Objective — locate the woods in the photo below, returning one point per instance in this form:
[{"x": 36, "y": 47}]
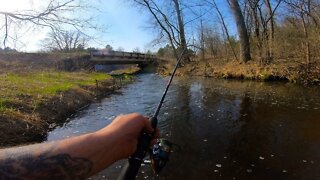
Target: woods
[{"x": 263, "y": 31}]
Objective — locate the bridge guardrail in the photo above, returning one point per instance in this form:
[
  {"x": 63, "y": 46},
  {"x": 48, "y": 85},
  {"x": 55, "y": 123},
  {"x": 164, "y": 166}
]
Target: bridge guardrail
[{"x": 119, "y": 54}]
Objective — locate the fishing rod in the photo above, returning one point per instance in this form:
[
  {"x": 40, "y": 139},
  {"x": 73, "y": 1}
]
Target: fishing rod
[{"x": 161, "y": 150}]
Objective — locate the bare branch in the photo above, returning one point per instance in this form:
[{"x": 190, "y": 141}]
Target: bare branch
[{"x": 57, "y": 14}]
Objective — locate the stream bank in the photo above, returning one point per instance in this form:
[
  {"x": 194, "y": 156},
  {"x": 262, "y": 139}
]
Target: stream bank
[
  {"x": 280, "y": 70},
  {"x": 36, "y": 95},
  {"x": 30, "y": 116}
]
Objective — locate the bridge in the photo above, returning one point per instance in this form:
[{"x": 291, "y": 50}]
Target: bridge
[{"x": 117, "y": 57}]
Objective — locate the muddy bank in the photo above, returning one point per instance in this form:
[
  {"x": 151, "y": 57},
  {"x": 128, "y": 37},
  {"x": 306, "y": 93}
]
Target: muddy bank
[{"x": 276, "y": 71}]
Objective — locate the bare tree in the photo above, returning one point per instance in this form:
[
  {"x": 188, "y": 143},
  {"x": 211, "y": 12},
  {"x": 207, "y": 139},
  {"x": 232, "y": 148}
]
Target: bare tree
[
  {"x": 136, "y": 50},
  {"x": 163, "y": 22},
  {"x": 171, "y": 26},
  {"x": 65, "y": 41},
  {"x": 260, "y": 18},
  {"x": 302, "y": 9},
  {"x": 213, "y": 3},
  {"x": 120, "y": 49},
  {"x": 182, "y": 35},
  {"x": 55, "y": 15},
  {"x": 212, "y": 41},
  {"x": 202, "y": 40},
  {"x": 242, "y": 31},
  {"x": 272, "y": 24}
]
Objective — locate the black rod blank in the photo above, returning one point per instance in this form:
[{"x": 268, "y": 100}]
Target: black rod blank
[{"x": 168, "y": 85}]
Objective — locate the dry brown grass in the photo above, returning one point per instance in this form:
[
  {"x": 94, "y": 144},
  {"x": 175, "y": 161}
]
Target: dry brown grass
[
  {"x": 288, "y": 70},
  {"x": 26, "y": 62}
]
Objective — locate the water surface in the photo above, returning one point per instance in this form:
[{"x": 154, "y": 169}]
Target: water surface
[{"x": 226, "y": 129}]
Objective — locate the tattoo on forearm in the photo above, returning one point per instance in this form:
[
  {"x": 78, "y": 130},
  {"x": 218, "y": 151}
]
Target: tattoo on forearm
[{"x": 61, "y": 166}]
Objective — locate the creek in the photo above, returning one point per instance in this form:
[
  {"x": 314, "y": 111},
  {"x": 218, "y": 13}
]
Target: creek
[{"x": 226, "y": 129}]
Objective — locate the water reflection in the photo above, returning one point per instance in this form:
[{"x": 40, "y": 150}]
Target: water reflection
[
  {"x": 246, "y": 130},
  {"x": 226, "y": 129}
]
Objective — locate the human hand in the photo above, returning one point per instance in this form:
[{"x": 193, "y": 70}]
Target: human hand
[{"x": 126, "y": 129}]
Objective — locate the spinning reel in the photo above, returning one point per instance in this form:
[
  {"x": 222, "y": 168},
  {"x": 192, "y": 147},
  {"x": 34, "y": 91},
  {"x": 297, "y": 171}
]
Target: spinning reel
[{"x": 160, "y": 154}]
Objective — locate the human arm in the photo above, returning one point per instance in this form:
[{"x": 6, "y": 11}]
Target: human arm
[{"x": 78, "y": 157}]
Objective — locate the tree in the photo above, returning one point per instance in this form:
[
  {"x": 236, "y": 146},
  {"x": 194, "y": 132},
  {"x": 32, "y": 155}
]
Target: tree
[
  {"x": 225, "y": 28},
  {"x": 166, "y": 51},
  {"x": 261, "y": 23},
  {"x": 271, "y": 22},
  {"x": 65, "y": 41},
  {"x": 202, "y": 40},
  {"x": 182, "y": 35},
  {"x": 168, "y": 18},
  {"x": 136, "y": 50},
  {"x": 109, "y": 47},
  {"x": 162, "y": 21},
  {"x": 245, "y": 55},
  {"x": 55, "y": 15},
  {"x": 302, "y": 9},
  {"x": 120, "y": 49},
  {"x": 213, "y": 42}
]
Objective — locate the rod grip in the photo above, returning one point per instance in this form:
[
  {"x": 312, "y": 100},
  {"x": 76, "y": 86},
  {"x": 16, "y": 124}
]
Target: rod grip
[{"x": 132, "y": 166}]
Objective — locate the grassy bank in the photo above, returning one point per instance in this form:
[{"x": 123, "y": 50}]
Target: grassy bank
[
  {"x": 279, "y": 70},
  {"x": 40, "y": 90},
  {"x": 33, "y": 102}
]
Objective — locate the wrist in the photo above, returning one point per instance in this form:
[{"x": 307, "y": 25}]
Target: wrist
[{"x": 110, "y": 143}]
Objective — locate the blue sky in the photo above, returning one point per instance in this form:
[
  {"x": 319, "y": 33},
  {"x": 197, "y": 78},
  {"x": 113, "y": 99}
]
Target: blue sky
[{"x": 125, "y": 25}]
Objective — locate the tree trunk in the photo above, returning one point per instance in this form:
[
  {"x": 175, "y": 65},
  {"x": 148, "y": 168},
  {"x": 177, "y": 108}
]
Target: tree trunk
[
  {"x": 183, "y": 42},
  {"x": 202, "y": 40},
  {"x": 306, "y": 34},
  {"x": 271, "y": 29},
  {"x": 257, "y": 25},
  {"x": 242, "y": 31},
  {"x": 6, "y": 31}
]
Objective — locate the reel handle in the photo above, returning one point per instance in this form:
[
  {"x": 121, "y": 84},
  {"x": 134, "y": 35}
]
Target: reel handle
[{"x": 132, "y": 166}]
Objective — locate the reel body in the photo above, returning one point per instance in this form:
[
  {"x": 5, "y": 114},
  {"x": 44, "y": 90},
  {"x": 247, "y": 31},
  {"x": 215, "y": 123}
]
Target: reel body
[{"x": 160, "y": 154}]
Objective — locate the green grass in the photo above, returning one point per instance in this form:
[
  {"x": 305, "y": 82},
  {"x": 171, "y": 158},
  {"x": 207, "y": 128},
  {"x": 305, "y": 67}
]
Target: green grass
[{"x": 35, "y": 85}]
